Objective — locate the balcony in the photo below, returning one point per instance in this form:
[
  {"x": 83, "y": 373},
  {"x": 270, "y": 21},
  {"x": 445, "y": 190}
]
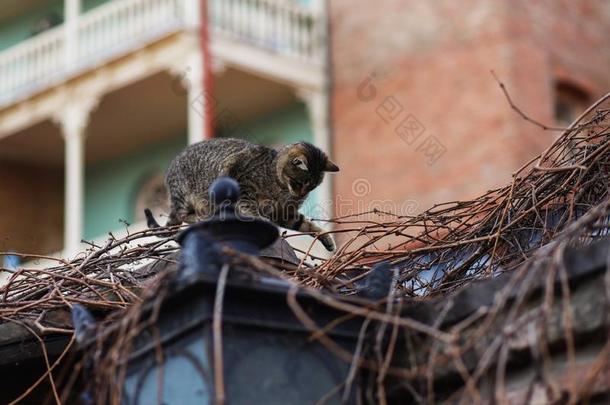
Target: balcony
[{"x": 279, "y": 28}]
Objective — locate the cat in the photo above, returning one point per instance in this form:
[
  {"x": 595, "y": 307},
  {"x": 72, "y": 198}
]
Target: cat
[{"x": 274, "y": 183}]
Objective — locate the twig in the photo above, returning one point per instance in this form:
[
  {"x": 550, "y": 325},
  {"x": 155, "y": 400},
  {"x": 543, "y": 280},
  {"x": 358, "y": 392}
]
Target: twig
[{"x": 518, "y": 110}]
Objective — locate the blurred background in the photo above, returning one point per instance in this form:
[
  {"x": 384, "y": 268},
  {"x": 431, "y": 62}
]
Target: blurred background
[{"x": 97, "y": 97}]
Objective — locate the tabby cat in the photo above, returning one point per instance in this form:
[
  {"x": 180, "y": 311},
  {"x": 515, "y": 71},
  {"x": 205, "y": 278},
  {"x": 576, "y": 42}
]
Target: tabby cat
[{"x": 274, "y": 182}]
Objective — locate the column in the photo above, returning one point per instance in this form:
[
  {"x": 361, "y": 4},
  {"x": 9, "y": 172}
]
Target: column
[
  {"x": 192, "y": 13},
  {"x": 72, "y": 9},
  {"x": 73, "y": 119},
  {"x": 189, "y": 72},
  {"x": 317, "y": 103},
  {"x": 197, "y": 100},
  {"x": 321, "y": 38},
  {"x": 188, "y": 82}
]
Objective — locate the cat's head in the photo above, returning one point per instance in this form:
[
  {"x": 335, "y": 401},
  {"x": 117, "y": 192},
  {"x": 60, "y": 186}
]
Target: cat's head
[{"x": 301, "y": 167}]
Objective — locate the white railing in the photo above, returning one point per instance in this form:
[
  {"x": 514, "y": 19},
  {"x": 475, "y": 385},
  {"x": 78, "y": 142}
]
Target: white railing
[
  {"x": 104, "y": 32},
  {"x": 25, "y": 66},
  {"x": 279, "y": 26},
  {"x": 119, "y": 24}
]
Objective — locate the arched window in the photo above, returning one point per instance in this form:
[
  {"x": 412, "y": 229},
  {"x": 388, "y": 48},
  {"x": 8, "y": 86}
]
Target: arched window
[
  {"x": 570, "y": 102},
  {"x": 152, "y": 194}
]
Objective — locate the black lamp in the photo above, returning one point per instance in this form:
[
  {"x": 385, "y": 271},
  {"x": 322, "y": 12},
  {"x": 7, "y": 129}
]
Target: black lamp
[{"x": 268, "y": 356}]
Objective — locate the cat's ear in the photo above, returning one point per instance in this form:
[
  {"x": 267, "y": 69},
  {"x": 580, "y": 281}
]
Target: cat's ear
[{"x": 331, "y": 167}]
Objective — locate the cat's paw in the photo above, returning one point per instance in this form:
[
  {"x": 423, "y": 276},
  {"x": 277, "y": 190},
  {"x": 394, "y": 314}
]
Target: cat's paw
[{"x": 328, "y": 242}]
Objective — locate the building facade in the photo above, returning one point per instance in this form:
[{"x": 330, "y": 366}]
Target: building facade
[
  {"x": 97, "y": 96},
  {"x": 413, "y": 78}
]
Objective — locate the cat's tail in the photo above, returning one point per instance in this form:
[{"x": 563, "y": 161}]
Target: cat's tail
[{"x": 151, "y": 222}]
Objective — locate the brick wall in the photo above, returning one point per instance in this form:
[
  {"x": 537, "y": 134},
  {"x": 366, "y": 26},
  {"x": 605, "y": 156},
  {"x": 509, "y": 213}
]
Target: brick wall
[{"x": 433, "y": 61}]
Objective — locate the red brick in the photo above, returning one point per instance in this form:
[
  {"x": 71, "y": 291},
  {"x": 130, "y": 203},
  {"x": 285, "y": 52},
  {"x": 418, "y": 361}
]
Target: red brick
[{"x": 435, "y": 58}]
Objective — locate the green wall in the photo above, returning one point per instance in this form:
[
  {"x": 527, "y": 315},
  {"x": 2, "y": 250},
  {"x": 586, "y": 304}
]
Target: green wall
[
  {"x": 19, "y": 28},
  {"x": 110, "y": 186},
  {"x": 89, "y": 4}
]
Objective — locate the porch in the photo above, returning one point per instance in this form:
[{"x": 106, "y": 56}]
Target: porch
[{"x": 281, "y": 37}]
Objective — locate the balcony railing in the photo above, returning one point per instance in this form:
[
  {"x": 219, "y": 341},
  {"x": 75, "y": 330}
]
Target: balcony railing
[
  {"x": 119, "y": 26},
  {"x": 281, "y": 26},
  {"x": 32, "y": 62},
  {"x": 122, "y": 24}
]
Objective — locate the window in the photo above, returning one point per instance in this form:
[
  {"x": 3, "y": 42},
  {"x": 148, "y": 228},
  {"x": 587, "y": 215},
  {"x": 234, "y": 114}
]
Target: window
[
  {"x": 570, "y": 102},
  {"x": 152, "y": 194}
]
